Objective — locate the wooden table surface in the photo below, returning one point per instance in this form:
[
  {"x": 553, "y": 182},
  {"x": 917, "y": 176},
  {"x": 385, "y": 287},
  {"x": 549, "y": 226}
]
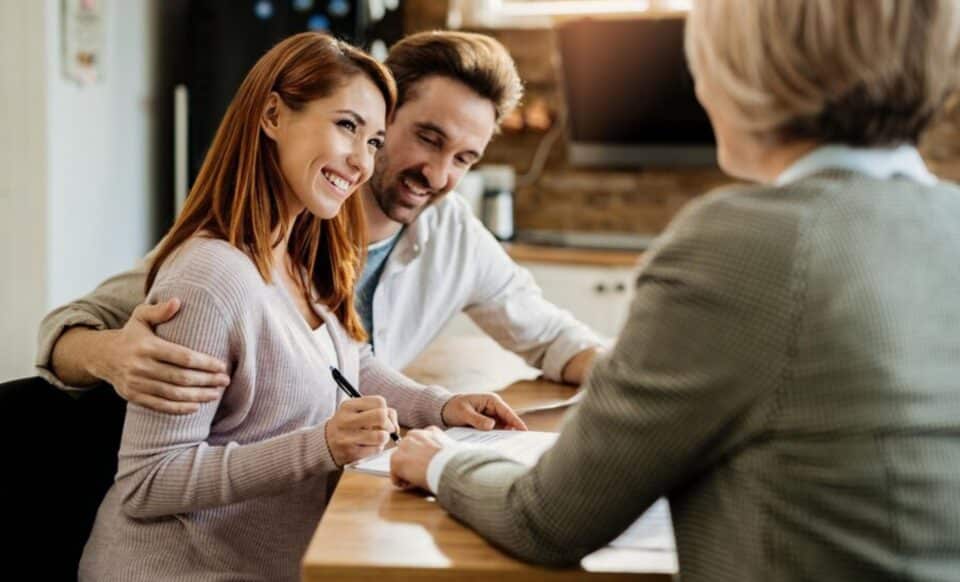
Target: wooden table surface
[
  {"x": 373, "y": 531},
  {"x": 525, "y": 252}
]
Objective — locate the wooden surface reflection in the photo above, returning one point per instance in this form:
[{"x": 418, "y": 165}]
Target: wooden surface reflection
[{"x": 372, "y": 531}]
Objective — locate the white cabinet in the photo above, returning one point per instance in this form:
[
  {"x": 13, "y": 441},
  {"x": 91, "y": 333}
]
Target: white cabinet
[{"x": 598, "y": 296}]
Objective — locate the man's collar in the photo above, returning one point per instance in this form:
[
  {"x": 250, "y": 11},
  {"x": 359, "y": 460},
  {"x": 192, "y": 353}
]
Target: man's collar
[{"x": 415, "y": 236}]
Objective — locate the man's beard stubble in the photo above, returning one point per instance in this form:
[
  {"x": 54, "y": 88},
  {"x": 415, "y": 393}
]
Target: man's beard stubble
[{"x": 388, "y": 196}]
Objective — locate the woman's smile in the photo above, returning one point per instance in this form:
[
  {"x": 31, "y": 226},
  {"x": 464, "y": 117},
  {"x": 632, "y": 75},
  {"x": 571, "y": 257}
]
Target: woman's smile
[{"x": 334, "y": 181}]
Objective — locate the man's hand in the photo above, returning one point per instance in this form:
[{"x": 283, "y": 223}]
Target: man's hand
[
  {"x": 153, "y": 372},
  {"x": 408, "y": 465},
  {"x": 484, "y": 411},
  {"x": 576, "y": 369}
]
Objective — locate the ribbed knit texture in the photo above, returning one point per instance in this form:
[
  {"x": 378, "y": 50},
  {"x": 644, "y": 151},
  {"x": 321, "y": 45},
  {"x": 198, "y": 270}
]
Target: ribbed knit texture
[
  {"x": 235, "y": 490},
  {"x": 789, "y": 377}
]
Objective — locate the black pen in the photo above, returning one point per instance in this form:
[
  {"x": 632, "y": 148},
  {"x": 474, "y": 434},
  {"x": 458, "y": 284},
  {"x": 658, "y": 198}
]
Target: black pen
[{"x": 350, "y": 391}]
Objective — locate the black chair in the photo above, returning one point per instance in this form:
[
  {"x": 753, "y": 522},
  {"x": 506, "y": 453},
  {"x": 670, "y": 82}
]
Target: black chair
[{"x": 59, "y": 457}]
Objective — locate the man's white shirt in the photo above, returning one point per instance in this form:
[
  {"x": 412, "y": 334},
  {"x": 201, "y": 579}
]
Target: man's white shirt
[{"x": 446, "y": 262}]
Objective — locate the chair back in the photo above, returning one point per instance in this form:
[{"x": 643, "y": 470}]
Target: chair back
[{"x": 59, "y": 459}]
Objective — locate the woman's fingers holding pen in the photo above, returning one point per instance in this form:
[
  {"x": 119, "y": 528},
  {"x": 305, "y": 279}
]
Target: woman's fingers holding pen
[
  {"x": 348, "y": 444},
  {"x": 380, "y": 418},
  {"x": 361, "y": 427},
  {"x": 372, "y": 412},
  {"x": 393, "y": 420},
  {"x": 364, "y": 403}
]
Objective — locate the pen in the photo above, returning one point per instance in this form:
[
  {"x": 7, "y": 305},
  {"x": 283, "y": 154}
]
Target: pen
[{"x": 350, "y": 391}]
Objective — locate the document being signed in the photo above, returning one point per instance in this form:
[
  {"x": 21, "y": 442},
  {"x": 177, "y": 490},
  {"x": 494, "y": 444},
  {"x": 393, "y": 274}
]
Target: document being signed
[
  {"x": 523, "y": 446},
  {"x": 651, "y": 534}
]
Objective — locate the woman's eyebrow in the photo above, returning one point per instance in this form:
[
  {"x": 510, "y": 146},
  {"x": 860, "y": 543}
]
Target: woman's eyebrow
[{"x": 356, "y": 116}]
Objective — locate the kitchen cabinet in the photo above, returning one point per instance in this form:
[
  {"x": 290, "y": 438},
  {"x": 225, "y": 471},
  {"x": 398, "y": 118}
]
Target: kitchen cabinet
[{"x": 598, "y": 295}]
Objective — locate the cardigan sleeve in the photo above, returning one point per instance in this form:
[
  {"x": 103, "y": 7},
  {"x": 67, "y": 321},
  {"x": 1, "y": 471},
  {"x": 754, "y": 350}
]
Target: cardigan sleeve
[
  {"x": 417, "y": 405},
  {"x": 166, "y": 463}
]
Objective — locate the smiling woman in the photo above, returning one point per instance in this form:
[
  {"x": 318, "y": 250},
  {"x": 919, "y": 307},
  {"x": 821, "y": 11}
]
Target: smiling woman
[
  {"x": 301, "y": 102},
  {"x": 263, "y": 258},
  {"x": 326, "y": 148}
]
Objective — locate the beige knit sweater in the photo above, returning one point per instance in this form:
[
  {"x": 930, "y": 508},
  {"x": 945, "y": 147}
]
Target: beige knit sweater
[{"x": 235, "y": 490}]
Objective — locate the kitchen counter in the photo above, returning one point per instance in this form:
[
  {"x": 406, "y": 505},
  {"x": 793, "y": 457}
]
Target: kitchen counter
[{"x": 532, "y": 253}]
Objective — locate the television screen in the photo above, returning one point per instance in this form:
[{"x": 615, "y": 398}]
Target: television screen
[{"x": 630, "y": 97}]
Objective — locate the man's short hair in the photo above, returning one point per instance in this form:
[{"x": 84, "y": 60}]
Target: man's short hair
[
  {"x": 844, "y": 71},
  {"x": 476, "y": 60}
]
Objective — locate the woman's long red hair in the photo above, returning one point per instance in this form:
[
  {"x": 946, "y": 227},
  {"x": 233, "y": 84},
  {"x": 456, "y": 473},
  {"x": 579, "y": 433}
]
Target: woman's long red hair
[{"x": 238, "y": 195}]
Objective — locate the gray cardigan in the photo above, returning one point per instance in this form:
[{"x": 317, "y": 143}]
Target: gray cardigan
[
  {"x": 235, "y": 490},
  {"x": 789, "y": 377}
]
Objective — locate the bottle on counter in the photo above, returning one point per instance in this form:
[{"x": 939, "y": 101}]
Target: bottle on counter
[{"x": 498, "y": 184}]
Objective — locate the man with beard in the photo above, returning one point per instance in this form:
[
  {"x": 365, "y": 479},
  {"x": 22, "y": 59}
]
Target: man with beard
[{"x": 428, "y": 259}]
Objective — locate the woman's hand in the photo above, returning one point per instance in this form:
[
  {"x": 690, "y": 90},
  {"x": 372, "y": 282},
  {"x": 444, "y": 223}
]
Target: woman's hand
[
  {"x": 484, "y": 411},
  {"x": 360, "y": 428},
  {"x": 408, "y": 465}
]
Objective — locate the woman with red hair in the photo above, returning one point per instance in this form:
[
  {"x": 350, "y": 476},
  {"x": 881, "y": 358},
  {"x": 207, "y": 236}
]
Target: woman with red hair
[{"x": 264, "y": 258}]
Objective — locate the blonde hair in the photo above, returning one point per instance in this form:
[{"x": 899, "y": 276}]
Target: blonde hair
[
  {"x": 476, "y": 60},
  {"x": 860, "y": 72}
]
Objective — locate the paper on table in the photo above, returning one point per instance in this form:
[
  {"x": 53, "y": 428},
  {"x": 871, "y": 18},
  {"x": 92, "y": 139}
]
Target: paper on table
[
  {"x": 378, "y": 464},
  {"x": 523, "y": 446},
  {"x": 554, "y": 405},
  {"x": 649, "y": 541},
  {"x": 652, "y": 532}
]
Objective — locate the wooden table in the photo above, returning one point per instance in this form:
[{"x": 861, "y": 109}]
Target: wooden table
[
  {"x": 525, "y": 252},
  {"x": 372, "y": 531}
]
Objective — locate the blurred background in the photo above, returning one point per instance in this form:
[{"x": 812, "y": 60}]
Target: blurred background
[{"x": 107, "y": 107}]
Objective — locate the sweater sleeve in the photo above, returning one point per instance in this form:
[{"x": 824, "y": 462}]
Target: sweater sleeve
[
  {"x": 707, "y": 336},
  {"x": 109, "y": 306},
  {"x": 417, "y": 405},
  {"x": 166, "y": 463}
]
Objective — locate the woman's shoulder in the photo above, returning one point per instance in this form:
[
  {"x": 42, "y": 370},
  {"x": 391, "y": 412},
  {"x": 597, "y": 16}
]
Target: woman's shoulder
[
  {"x": 748, "y": 213},
  {"x": 757, "y": 198},
  {"x": 208, "y": 257},
  {"x": 214, "y": 266}
]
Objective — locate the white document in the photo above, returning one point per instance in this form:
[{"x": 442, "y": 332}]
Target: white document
[
  {"x": 552, "y": 406},
  {"x": 651, "y": 534},
  {"x": 523, "y": 446},
  {"x": 649, "y": 540},
  {"x": 653, "y": 531}
]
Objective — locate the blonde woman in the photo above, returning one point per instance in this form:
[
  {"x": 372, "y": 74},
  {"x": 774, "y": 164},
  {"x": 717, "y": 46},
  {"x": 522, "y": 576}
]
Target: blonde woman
[{"x": 790, "y": 374}]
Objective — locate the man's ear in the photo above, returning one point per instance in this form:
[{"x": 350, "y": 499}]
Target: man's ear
[{"x": 270, "y": 117}]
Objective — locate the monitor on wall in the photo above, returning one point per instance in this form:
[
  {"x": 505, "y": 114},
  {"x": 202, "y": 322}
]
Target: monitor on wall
[{"x": 629, "y": 94}]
